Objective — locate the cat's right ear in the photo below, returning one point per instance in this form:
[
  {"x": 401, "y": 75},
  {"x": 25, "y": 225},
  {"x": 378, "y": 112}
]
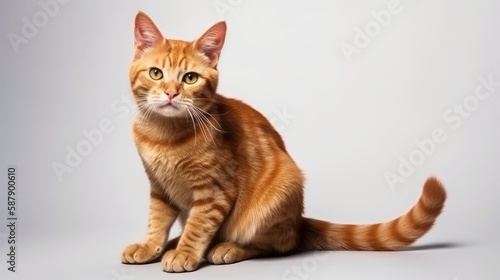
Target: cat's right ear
[{"x": 146, "y": 34}]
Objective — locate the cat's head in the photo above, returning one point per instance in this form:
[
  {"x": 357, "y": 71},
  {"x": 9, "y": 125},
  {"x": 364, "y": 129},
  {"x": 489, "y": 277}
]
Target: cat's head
[{"x": 173, "y": 78}]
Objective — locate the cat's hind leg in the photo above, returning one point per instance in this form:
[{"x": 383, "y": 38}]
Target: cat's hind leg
[
  {"x": 280, "y": 239},
  {"x": 229, "y": 252}
]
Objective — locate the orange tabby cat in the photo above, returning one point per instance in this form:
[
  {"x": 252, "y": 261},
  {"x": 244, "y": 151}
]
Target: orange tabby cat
[{"x": 220, "y": 167}]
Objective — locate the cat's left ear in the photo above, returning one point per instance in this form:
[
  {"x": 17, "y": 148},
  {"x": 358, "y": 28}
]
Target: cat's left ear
[{"x": 211, "y": 42}]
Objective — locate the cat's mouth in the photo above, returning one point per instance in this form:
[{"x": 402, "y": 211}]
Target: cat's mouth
[
  {"x": 169, "y": 109},
  {"x": 169, "y": 105}
]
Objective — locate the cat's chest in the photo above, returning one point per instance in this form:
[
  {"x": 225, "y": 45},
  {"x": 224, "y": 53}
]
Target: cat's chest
[
  {"x": 169, "y": 167},
  {"x": 160, "y": 159}
]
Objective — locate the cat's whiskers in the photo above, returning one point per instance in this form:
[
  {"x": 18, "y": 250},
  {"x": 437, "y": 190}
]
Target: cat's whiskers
[
  {"x": 202, "y": 121},
  {"x": 211, "y": 100},
  {"x": 194, "y": 123},
  {"x": 136, "y": 110},
  {"x": 203, "y": 113},
  {"x": 143, "y": 109},
  {"x": 148, "y": 112},
  {"x": 206, "y": 130}
]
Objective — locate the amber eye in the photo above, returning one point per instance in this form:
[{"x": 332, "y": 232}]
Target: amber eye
[
  {"x": 155, "y": 73},
  {"x": 190, "y": 78}
]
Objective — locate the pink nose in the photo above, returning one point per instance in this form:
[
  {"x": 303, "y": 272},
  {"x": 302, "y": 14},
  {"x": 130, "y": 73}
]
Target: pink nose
[{"x": 171, "y": 94}]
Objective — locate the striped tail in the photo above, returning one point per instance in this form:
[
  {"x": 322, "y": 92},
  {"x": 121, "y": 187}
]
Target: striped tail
[{"x": 393, "y": 235}]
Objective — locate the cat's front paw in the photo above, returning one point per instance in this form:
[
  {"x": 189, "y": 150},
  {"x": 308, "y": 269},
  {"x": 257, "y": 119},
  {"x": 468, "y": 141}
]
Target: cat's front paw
[
  {"x": 140, "y": 253},
  {"x": 180, "y": 261}
]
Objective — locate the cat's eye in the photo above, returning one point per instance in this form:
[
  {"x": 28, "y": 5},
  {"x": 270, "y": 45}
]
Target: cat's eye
[
  {"x": 190, "y": 78},
  {"x": 155, "y": 73}
]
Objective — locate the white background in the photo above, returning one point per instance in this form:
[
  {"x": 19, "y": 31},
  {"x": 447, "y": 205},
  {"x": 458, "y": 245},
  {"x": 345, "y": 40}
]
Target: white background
[{"x": 350, "y": 121}]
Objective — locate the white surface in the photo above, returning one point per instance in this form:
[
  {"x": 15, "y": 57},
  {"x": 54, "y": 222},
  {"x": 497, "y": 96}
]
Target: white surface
[{"x": 350, "y": 123}]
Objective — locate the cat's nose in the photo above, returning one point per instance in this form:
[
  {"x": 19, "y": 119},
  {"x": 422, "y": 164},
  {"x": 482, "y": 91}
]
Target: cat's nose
[{"x": 171, "y": 94}]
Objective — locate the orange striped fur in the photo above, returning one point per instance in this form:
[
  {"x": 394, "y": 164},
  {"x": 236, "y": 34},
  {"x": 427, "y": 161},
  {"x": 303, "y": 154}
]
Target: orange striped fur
[{"x": 220, "y": 168}]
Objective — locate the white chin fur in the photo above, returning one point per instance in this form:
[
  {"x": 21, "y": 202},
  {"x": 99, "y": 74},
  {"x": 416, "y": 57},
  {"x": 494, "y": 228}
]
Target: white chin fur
[{"x": 170, "y": 111}]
